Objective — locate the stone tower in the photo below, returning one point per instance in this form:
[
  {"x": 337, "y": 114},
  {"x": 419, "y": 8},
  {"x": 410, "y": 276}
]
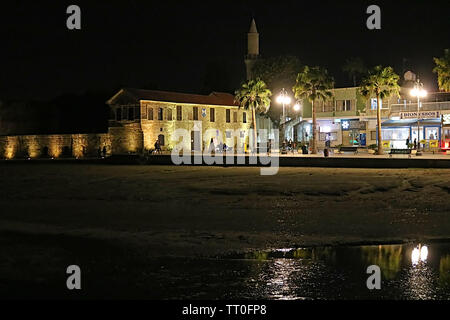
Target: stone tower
[{"x": 252, "y": 48}]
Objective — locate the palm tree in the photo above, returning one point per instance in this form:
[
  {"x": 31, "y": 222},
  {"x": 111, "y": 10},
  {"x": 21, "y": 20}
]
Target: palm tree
[
  {"x": 313, "y": 84},
  {"x": 443, "y": 71},
  {"x": 254, "y": 95},
  {"x": 355, "y": 68},
  {"x": 381, "y": 82}
]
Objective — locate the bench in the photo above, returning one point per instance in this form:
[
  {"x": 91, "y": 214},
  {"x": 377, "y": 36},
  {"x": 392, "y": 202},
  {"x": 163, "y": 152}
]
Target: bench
[
  {"x": 348, "y": 149},
  {"x": 400, "y": 151}
]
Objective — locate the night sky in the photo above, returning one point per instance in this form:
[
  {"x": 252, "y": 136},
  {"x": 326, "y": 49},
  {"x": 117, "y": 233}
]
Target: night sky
[{"x": 172, "y": 45}]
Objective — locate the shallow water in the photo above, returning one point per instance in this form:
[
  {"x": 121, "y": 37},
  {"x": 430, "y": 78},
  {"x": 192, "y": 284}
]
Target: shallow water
[
  {"x": 34, "y": 267},
  {"x": 314, "y": 273}
]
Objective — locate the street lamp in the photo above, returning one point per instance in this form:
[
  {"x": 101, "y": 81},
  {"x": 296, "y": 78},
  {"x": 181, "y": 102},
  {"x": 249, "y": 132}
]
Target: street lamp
[
  {"x": 419, "y": 92},
  {"x": 284, "y": 99}
]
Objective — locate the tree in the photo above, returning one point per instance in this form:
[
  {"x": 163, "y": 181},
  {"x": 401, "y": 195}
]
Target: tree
[
  {"x": 381, "y": 82},
  {"x": 277, "y": 72},
  {"x": 313, "y": 84},
  {"x": 355, "y": 68},
  {"x": 254, "y": 95},
  {"x": 443, "y": 70}
]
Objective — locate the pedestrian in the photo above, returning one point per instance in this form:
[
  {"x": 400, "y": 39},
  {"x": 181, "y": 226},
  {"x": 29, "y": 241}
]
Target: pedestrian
[
  {"x": 415, "y": 143},
  {"x": 104, "y": 151},
  {"x": 212, "y": 147},
  {"x": 407, "y": 143},
  {"x": 157, "y": 147}
]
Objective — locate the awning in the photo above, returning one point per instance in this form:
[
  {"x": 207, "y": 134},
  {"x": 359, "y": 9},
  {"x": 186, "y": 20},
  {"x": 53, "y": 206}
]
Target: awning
[{"x": 411, "y": 123}]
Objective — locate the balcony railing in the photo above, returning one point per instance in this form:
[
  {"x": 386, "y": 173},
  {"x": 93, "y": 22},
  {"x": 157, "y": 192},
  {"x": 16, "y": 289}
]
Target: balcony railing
[{"x": 425, "y": 106}]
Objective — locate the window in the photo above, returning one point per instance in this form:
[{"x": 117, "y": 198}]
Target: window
[
  {"x": 235, "y": 116},
  {"x": 331, "y": 136},
  {"x": 179, "y": 113},
  {"x": 149, "y": 113},
  {"x": 347, "y": 105},
  {"x": 228, "y": 134},
  {"x": 160, "y": 113},
  {"x": 119, "y": 114},
  {"x": 373, "y": 135},
  {"x": 344, "y": 105},
  {"x": 124, "y": 113},
  {"x": 131, "y": 113},
  {"x": 137, "y": 112},
  {"x": 395, "y": 134},
  {"x": 195, "y": 111},
  {"x": 373, "y": 104},
  {"x": 169, "y": 114},
  {"x": 228, "y": 115},
  {"x": 161, "y": 139},
  {"x": 212, "y": 115},
  {"x": 244, "y": 117}
]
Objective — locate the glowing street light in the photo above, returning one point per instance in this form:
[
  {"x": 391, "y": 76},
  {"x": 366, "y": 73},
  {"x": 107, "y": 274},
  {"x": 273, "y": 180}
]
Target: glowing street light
[
  {"x": 284, "y": 99},
  {"x": 297, "y": 106},
  {"x": 419, "y": 92}
]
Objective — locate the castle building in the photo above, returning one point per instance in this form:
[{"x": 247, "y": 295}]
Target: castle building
[{"x": 139, "y": 118}]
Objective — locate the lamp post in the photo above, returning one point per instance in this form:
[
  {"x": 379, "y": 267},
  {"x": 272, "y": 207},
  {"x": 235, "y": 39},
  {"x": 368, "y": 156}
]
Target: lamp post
[
  {"x": 419, "y": 92},
  {"x": 284, "y": 99}
]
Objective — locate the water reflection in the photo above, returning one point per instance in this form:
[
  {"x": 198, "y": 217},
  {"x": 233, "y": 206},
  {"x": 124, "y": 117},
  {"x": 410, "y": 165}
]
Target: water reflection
[
  {"x": 419, "y": 254},
  {"x": 414, "y": 271}
]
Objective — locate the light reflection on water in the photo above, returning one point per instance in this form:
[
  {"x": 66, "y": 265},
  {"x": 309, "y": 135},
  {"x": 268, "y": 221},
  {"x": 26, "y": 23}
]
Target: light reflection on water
[
  {"x": 408, "y": 272},
  {"x": 415, "y": 271}
]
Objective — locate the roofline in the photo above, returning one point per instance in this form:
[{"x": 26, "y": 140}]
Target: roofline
[{"x": 191, "y": 104}]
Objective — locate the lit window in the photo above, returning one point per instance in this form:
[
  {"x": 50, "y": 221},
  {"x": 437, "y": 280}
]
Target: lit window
[
  {"x": 195, "y": 111},
  {"x": 149, "y": 113},
  {"x": 179, "y": 113}
]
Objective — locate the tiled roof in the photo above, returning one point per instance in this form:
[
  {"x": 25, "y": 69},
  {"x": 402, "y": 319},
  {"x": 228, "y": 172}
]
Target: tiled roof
[{"x": 214, "y": 98}]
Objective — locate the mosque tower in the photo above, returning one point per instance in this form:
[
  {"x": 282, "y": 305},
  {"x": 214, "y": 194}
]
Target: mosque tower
[{"x": 252, "y": 48}]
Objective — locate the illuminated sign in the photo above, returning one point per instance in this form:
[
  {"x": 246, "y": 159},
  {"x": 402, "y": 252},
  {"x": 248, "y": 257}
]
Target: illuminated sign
[
  {"x": 345, "y": 125},
  {"x": 446, "y": 118},
  {"x": 422, "y": 115}
]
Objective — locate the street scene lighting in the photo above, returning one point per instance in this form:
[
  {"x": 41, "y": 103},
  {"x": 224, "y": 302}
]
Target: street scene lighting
[{"x": 419, "y": 92}]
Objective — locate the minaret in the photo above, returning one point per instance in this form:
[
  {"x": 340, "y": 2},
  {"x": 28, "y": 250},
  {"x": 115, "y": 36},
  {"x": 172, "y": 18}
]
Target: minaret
[{"x": 252, "y": 48}]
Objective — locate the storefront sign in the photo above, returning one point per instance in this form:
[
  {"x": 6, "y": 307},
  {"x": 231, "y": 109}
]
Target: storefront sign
[
  {"x": 446, "y": 119},
  {"x": 352, "y": 124},
  {"x": 434, "y": 144},
  {"x": 422, "y": 115}
]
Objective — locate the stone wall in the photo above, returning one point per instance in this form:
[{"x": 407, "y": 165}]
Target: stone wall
[
  {"x": 217, "y": 130},
  {"x": 53, "y": 146}
]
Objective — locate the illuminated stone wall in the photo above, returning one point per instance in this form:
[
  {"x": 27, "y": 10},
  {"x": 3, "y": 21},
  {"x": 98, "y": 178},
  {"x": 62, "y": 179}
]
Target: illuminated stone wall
[
  {"x": 153, "y": 128},
  {"x": 53, "y": 146}
]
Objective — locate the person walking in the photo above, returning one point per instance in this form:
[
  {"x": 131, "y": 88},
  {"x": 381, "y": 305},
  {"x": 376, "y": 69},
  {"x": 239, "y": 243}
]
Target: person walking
[
  {"x": 407, "y": 143},
  {"x": 157, "y": 147},
  {"x": 212, "y": 147},
  {"x": 415, "y": 143}
]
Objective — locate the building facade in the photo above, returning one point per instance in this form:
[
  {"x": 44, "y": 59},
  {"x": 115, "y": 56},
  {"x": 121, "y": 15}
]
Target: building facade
[
  {"x": 349, "y": 119},
  {"x": 139, "y": 118}
]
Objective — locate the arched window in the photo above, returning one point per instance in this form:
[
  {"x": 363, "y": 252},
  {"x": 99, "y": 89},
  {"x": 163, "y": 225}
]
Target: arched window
[
  {"x": 161, "y": 139},
  {"x": 160, "y": 114}
]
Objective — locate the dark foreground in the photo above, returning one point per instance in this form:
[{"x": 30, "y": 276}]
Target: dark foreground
[{"x": 172, "y": 232}]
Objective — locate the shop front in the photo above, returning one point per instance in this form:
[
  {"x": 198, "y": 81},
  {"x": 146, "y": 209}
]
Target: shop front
[
  {"x": 395, "y": 133},
  {"x": 354, "y": 133},
  {"x": 445, "y": 141}
]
